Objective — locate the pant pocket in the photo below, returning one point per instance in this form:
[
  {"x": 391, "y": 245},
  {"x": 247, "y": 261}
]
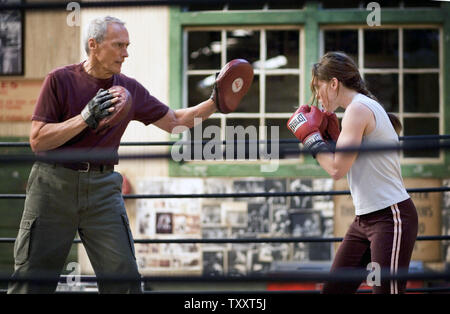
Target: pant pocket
[
  {"x": 31, "y": 177},
  {"x": 22, "y": 244},
  {"x": 128, "y": 232}
]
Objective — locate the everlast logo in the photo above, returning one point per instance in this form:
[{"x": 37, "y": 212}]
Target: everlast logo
[{"x": 296, "y": 122}]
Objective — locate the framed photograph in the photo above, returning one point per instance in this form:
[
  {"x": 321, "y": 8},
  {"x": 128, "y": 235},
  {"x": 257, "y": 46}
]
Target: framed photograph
[
  {"x": 240, "y": 232},
  {"x": 214, "y": 233},
  {"x": 300, "y": 252},
  {"x": 218, "y": 186},
  {"x": 303, "y": 185},
  {"x": 11, "y": 40},
  {"x": 323, "y": 203},
  {"x": 258, "y": 218},
  {"x": 164, "y": 223},
  {"x": 145, "y": 219},
  {"x": 235, "y": 214},
  {"x": 313, "y": 251},
  {"x": 327, "y": 227},
  {"x": 251, "y": 185},
  {"x": 261, "y": 260},
  {"x": 281, "y": 224},
  {"x": 184, "y": 224},
  {"x": 211, "y": 215},
  {"x": 305, "y": 224},
  {"x": 213, "y": 263},
  {"x": 274, "y": 186},
  {"x": 238, "y": 262}
]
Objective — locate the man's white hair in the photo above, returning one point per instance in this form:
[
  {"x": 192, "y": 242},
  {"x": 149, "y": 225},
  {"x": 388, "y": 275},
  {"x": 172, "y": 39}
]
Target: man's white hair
[{"x": 97, "y": 29}]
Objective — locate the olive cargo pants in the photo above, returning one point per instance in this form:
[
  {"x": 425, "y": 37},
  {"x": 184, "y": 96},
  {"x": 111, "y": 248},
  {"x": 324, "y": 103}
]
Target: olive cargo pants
[{"x": 60, "y": 202}]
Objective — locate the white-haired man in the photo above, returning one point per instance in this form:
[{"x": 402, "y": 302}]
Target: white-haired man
[{"x": 85, "y": 197}]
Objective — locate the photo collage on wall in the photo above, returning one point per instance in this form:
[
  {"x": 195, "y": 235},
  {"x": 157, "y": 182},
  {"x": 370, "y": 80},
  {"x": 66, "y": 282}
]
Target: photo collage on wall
[
  {"x": 11, "y": 47},
  {"x": 238, "y": 217}
]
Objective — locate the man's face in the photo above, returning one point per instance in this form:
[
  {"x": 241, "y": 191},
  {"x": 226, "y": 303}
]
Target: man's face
[{"x": 112, "y": 51}]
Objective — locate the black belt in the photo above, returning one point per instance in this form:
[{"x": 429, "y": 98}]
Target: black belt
[{"x": 87, "y": 166}]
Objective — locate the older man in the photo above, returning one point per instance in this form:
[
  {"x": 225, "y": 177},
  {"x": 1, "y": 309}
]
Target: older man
[{"x": 63, "y": 198}]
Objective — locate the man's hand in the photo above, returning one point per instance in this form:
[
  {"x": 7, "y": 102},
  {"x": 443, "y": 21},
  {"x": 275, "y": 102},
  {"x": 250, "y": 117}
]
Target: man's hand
[
  {"x": 305, "y": 124},
  {"x": 97, "y": 108}
]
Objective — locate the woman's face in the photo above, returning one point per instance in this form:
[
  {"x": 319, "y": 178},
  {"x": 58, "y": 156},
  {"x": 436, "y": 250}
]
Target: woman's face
[{"x": 326, "y": 94}]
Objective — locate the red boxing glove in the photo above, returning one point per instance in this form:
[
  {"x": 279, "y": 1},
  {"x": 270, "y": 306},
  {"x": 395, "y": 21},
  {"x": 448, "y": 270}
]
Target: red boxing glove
[
  {"x": 305, "y": 124},
  {"x": 332, "y": 130},
  {"x": 324, "y": 124}
]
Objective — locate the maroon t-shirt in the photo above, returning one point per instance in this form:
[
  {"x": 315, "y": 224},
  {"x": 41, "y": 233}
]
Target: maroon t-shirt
[{"x": 68, "y": 89}]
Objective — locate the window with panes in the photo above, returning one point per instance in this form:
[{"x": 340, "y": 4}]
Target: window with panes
[
  {"x": 275, "y": 54},
  {"x": 402, "y": 68}
]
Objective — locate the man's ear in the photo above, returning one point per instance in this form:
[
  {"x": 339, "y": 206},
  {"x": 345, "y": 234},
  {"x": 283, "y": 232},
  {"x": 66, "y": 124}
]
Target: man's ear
[{"x": 93, "y": 45}]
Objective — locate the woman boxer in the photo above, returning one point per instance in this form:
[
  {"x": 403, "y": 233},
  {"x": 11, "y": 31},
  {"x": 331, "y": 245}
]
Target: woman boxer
[{"x": 385, "y": 227}]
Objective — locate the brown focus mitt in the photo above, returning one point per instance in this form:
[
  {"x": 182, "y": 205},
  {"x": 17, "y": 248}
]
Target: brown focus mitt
[
  {"x": 121, "y": 109},
  {"x": 232, "y": 83}
]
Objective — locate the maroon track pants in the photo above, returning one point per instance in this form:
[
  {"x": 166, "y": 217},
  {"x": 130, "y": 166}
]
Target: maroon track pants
[{"x": 386, "y": 237}]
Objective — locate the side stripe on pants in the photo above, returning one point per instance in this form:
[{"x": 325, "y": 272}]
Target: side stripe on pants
[{"x": 395, "y": 246}]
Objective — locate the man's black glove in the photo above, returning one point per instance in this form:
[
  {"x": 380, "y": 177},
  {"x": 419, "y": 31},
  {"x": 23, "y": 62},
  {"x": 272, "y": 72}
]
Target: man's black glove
[{"x": 97, "y": 108}]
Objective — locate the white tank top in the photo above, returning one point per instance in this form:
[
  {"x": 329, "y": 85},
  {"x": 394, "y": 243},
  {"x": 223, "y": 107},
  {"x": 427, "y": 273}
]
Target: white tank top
[{"x": 375, "y": 178}]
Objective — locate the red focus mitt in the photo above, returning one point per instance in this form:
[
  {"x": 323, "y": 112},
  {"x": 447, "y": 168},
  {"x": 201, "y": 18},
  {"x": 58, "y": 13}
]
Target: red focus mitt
[
  {"x": 232, "y": 83},
  {"x": 121, "y": 109}
]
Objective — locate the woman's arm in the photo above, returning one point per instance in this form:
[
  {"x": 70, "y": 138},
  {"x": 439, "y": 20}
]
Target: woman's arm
[{"x": 357, "y": 121}]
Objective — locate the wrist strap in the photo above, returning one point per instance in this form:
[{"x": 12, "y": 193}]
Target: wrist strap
[
  {"x": 89, "y": 118},
  {"x": 315, "y": 144}
]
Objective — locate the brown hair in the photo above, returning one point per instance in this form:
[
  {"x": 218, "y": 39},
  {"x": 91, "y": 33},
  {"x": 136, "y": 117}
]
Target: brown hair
[
  {"x": 339, "y": 65},
  {"x": 395, "y": 123}
]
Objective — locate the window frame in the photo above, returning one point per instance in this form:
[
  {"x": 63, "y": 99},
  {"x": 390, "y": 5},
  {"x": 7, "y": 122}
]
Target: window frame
[
  {"x": 262, "y": 115},
  {"x": 400, "y": 70},
  {"x": 311, "y": 18}
]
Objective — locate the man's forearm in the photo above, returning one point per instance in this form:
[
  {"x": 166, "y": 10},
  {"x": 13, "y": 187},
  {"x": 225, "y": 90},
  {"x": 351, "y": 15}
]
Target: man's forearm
[
  {"x": 52, "y": 135},
  {"x": 201, "y": 111}
]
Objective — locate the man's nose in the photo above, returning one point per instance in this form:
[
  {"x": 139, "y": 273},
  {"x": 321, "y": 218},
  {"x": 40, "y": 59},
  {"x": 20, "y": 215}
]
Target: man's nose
[{"x": 125, "y": 53}]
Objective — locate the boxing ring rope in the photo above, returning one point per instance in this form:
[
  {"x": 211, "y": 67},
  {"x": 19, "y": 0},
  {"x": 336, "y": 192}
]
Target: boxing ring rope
[
  {"x": 102, "y": 155},
  {"x": 245, "y": 195},
  {"x": 353, "y": 275},
  {"x": 350, "y": 275},
  {"x": 249, "y": 240},
  {"x": 267, "y": 141},
  {"x": 280, "y": 141}
]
